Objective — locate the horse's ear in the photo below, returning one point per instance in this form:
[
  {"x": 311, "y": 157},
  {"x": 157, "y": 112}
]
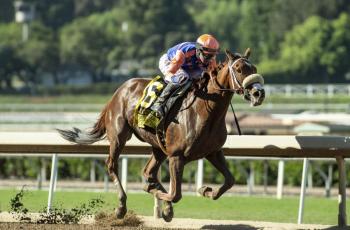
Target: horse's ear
[
  {"x": 229, "y": 54},
  {"x": 247, "y": 53}
]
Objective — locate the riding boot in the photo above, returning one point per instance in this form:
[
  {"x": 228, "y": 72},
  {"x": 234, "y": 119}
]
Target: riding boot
[{"x": 159, "y": 106}]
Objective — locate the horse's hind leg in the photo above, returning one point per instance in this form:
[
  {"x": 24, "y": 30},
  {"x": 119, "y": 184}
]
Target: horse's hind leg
[
  {"x": 218, "y": 161},
  {"x": 117, "y": 139},
  {"x": 150, "y": 172}
]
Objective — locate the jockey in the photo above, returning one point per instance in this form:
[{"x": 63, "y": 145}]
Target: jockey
[{"x": 183, "y": 62}]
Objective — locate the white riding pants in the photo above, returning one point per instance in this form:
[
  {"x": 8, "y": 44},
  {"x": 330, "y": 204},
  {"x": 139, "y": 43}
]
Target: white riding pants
[{"x": 180, "y": 77}]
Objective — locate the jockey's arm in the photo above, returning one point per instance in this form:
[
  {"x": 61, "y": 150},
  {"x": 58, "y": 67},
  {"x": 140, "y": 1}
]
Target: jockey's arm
[{"x": 176, "y": 62}]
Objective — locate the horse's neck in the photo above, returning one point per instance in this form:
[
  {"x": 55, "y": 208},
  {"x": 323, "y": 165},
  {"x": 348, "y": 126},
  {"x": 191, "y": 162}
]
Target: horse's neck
[
  {"x": 220, "y": 83},
  {"x": 217, "y": 100}
]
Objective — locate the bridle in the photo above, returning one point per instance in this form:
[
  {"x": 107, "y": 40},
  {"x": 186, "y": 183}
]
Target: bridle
[{"x": 241, "y": 90}]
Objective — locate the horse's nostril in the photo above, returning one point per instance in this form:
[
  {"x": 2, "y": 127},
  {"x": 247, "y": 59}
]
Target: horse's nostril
[{"x": 256, "y": 94}]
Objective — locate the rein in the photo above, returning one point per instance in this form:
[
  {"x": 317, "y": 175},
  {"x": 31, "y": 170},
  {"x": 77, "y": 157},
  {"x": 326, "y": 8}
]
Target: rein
[
  {"x": 240, "y": 90},
  {"x": 233, "y": 78},
  {"x": 236, "y": 120}
]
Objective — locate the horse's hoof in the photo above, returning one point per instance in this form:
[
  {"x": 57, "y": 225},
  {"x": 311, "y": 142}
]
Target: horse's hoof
[
  {"x": 120, "y": 212},
  {"x": 168, "y": 213},
  {"x": 204, "y": 190}
]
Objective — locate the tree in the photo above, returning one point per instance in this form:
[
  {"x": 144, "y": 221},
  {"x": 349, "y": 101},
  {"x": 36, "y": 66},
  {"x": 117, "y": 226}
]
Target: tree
[
  {"x": 6, "y": 11},
  {"x": 87, "y": 43},
  {"x": 149, "y": 23},
  {"x": 86, "y": 7},
  {"x": 9, "y": 62},
  {"x": 27, "y": 60},
  {"x": 314, "y": 51},
  {"x": 263, "y": 24},
  {"x": 219, "y": 18},
  {"x": 10, "y": 65},
  {"x": 54, "y": 14},
  {"x": 337, "y": 51}
]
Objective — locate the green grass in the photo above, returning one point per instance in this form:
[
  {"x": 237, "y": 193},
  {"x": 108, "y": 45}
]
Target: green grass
[{"x": 317, "y": 210}]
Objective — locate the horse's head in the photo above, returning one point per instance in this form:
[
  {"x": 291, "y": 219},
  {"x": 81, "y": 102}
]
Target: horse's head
[{"x": 239, "y": 75}]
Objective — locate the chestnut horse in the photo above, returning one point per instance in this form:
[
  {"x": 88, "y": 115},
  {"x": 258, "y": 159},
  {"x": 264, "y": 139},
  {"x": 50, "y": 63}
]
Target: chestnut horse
[{"x": 195, "y": 128}]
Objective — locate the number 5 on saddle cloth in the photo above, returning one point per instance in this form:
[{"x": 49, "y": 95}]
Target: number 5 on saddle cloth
[{"x": 144, "y": 116}]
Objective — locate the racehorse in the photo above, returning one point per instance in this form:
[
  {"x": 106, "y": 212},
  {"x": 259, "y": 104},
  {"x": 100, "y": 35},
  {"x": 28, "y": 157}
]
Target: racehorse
[{"x": 194, "y": 128}]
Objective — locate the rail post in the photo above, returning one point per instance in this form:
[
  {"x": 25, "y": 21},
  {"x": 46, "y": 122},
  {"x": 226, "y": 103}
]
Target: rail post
[
  {"x": 280, "y": 178},
  {"x": 250, "y": 179},
  {"x": 302, "y": 191},
  {"x": 329, "y": 181},
  {"x": 125, "y": 172},
  {"x": 53, "y": 181},
  {"x": 93, "y": 171},
  {"x": 266, "y": 171},
  {"x": 342, "y": 192},
  {"x": 199, "y": 175}
]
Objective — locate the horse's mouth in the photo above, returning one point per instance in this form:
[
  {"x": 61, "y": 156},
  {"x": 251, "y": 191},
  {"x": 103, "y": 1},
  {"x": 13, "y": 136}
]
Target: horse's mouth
[{"x": 256, "y": 95}]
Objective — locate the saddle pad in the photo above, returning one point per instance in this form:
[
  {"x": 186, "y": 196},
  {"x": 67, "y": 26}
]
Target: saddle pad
[{"x": 143, "y": 115}]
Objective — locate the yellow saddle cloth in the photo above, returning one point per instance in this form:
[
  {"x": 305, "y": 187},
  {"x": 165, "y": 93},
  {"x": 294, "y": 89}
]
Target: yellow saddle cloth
[{"x": 143, "y": 115}]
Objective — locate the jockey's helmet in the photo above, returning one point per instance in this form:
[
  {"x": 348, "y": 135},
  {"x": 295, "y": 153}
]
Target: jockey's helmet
[{"x": 207, "y": 47}]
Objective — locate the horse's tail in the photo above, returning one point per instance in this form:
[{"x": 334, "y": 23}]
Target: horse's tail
[{"x": 87, "y": 137}]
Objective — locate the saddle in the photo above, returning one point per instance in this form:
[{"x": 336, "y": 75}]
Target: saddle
[{"x": 144, "y": 116}]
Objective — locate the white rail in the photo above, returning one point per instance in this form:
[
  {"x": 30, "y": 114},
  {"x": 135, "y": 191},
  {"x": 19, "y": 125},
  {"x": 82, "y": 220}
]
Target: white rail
[
  {"x": 308, "y": 90},
  {"x": 255, "y": 146}
]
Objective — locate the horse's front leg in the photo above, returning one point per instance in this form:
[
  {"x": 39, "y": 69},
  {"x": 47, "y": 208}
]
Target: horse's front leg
[
  {"x": 218, "y": 161},
  {"x": 176, "y": 167}
]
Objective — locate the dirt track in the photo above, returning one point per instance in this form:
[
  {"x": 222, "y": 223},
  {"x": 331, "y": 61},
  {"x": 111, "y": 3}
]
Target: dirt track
[{"x": 147, "y": 222}]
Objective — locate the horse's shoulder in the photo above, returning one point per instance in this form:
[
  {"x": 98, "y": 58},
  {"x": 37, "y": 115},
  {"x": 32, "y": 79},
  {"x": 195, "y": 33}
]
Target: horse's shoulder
[
  {"x": 138, "y": 80},
  {"x": 136, "y": 83},
  {"x": 200, "y": 84}
]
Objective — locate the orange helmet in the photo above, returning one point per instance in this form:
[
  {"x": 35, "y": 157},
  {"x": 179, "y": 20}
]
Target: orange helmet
[
  {"x": 208, "y": 43},
  {"x": 206, "y": 48}
]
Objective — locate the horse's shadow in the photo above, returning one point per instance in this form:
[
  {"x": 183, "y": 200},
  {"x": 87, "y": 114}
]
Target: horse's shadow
[{"x": 229, "y": 227}]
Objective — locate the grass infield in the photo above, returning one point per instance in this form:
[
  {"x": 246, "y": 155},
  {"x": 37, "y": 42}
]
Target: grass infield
[{"x": 254, "y": 208}]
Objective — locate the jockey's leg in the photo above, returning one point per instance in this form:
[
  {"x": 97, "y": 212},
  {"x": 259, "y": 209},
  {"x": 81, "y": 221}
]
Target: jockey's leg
[
  {"x": 159, "y": 106},
  {"x": 175, "y": 81}
]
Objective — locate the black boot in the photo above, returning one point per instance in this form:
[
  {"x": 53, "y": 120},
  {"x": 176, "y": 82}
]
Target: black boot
[{"x": 159, "y": 105}]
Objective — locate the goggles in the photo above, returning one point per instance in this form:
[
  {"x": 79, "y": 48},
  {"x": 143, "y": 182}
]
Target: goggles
[
  {"x": 206, "y": 53},
  {"x": 206, "y": 56}
]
